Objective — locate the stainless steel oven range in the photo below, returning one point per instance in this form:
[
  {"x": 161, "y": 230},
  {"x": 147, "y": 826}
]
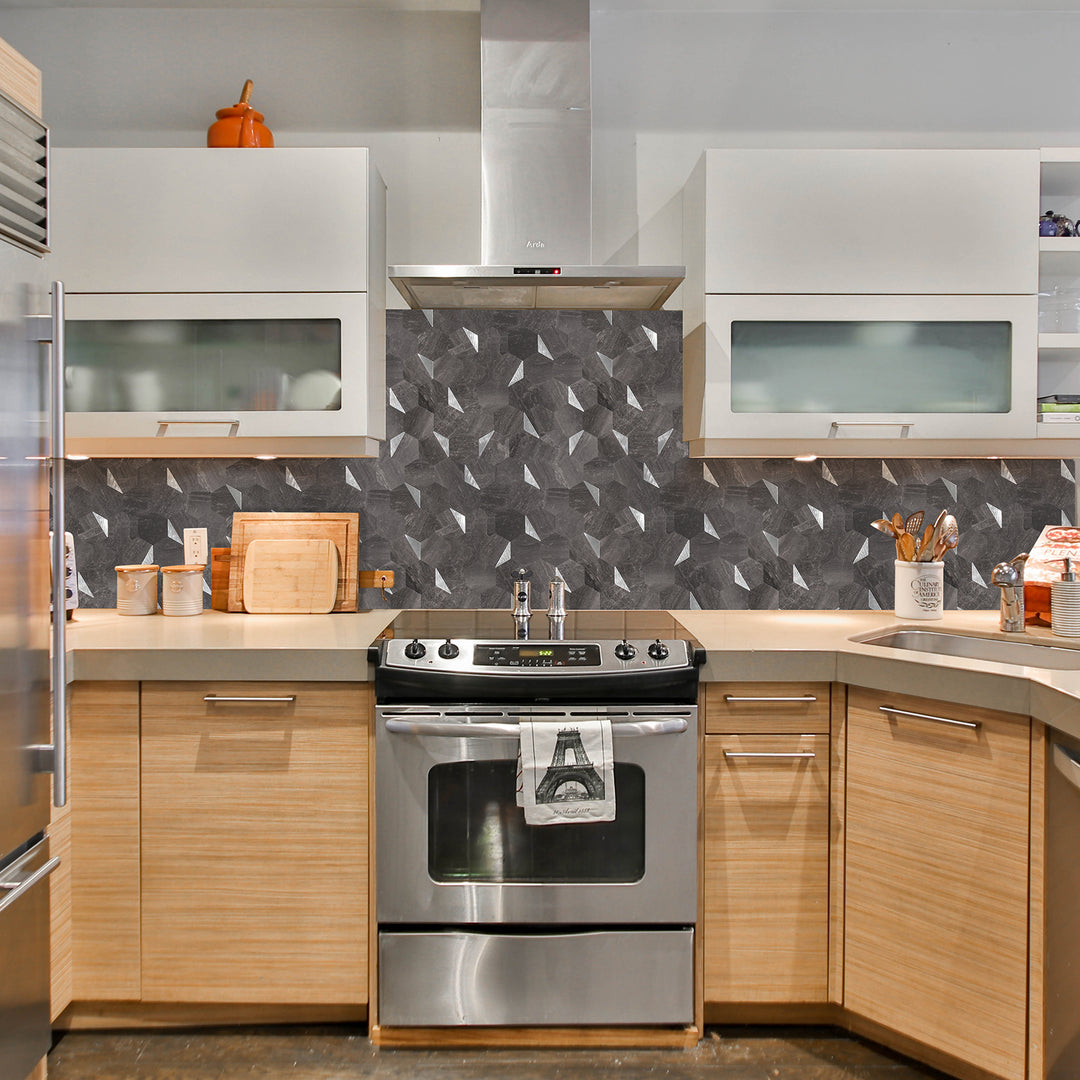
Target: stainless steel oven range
[{"x": 484, "y": 919}]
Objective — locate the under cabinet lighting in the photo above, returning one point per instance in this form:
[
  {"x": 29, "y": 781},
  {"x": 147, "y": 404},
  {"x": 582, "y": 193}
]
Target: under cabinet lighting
[
  {"x": 266, "y": 457},
  {"x": 805, "y": 457},
  {"x": 78, "y": 457}
]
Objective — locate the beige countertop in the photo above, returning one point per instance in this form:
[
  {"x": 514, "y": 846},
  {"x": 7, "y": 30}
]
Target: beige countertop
[
  {"x": 222, "y": 645},
  {"x": 751, "y": 646}
]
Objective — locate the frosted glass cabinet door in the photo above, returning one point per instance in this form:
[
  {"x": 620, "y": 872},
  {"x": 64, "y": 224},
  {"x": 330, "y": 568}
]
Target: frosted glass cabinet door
[
  {"x": 231, "y": 365},
  {"x": 864, "y": 367}
]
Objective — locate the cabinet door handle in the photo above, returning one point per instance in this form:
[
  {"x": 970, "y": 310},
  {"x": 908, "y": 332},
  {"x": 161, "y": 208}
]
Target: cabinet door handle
[
  {"x": 769, "y": 754},
  {"x": 15, "y": 889},
  {"x": 926, "y": 716},
  {"x": 806, "y": 697},
  {"x": 164, "y": 425},
  {"x": 281, "y": 700},
  {"x": 905, "y": 426},
  {"x": 1067, "y": 764}
]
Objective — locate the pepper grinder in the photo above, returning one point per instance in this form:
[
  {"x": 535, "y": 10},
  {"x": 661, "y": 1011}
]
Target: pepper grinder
[
  {"x": 519, "y": 610},
  {"x": 556, "y": 612},
  {"x": 1065, "y": 603}
]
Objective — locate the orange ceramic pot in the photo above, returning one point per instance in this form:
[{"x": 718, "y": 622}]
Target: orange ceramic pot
[{"x": 239, "y": 125}]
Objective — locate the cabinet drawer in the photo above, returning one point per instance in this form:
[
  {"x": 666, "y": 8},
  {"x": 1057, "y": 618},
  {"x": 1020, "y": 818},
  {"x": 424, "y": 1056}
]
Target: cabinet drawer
[
  {"x": 794, "y": 708},
  {"x": 766, "y": 868}
]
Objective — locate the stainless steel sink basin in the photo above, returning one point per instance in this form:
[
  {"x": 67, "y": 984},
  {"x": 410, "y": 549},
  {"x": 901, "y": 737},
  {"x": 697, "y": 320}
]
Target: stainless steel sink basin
[{"x": 1027, "y": 653}]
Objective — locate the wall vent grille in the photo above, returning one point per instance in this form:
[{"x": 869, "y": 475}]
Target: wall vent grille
[{"x": 24, "y": 159}]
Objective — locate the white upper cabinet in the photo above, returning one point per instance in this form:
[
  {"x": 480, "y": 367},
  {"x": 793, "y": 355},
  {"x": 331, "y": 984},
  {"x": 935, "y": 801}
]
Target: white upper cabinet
[
  {"x": 211, "y": 220},
  {"x": 222, "y": 302},
  {"x": 868, "y": 221},
  {"x": 860, "y": 302}
]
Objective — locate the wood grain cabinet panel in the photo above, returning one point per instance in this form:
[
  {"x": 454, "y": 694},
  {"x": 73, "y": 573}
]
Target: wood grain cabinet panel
[
  {"x": 936, "y": 910},
  {"x": 254, "y": 842},
  {"x": 766, "y": 933},
  {"x": 104, "y": 840}
]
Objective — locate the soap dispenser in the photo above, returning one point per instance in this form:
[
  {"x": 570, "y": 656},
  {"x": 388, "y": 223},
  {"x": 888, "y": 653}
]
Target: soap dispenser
[{"x": 1065, "y": 603}]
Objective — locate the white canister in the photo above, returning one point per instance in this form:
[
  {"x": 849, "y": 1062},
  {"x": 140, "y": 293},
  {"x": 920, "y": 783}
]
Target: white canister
[
  {"x": 920, "y": 589},
  {"x": 182, "y": 590},
  {"x": 1065, "y": 603},
  {"x": 136, "y": 589}
]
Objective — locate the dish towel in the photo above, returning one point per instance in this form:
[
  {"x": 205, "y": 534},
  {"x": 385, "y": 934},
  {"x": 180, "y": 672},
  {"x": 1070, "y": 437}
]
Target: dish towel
[{"x": 567, "y": 772}]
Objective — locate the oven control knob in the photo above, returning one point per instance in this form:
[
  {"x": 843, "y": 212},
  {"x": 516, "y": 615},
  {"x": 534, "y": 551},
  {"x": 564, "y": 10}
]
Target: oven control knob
[
  {"x": 414, "y": 650},
  {"x": 625, "y": 651},
  {"x": 658, "y": 650},
  {"x": 448, "y": 650}
]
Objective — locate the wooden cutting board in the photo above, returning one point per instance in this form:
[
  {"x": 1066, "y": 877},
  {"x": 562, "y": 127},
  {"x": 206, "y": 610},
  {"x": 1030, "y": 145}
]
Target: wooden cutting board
[
  {"x": 290, "y": 577},
  {"x": 343, "y": 529}
]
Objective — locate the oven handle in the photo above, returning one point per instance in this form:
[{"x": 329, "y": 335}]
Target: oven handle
[{"x": 450, "y": 730}]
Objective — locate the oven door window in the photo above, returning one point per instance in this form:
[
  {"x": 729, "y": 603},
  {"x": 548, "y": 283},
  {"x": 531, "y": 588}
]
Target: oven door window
[{"x": 477, "y": 833}]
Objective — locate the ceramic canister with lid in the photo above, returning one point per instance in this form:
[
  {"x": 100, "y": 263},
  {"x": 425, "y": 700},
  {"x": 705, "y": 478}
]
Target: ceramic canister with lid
[
  {"x": 136, "y": 589},
  {"x": 182, "y": 590}
]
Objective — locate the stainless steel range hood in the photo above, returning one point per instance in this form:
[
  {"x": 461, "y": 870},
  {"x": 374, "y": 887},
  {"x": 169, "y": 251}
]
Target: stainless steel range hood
[{"x": 536, "y": 145}]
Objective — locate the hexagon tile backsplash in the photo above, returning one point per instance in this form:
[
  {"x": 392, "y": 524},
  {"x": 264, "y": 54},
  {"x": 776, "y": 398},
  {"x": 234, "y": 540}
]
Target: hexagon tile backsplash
[{"x": 550, "y": 440}]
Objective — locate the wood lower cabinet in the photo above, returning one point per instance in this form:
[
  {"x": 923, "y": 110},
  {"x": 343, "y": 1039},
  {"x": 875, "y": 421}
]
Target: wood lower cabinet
[
  {"x": 766, "y": 850},
  {"x": 936, "y": 895},
  {"x": 254, "y": 842}
]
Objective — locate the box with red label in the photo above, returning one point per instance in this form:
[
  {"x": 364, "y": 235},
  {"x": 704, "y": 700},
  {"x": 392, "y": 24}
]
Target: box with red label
[{"x": 1046, "y": 564}]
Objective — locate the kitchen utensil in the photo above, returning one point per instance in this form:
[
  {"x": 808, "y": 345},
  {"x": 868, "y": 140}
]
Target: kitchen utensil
[
  {"x": 884, "y": 525},
  {"x": 924, "y": 543},
  {"x": 290, "y": 576},
  {"x": 927, "y": 553},
  {"x": 897, "y": 524},
  {"x": 342, "y": 528},
  {"x": 905, "y": 544},
  {"x": 914, "y": 523},
  {"x": 239, "y": 125},
  {"x": 947, "y": 538}
]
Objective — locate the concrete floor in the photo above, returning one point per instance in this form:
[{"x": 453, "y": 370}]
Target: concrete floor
[{"x": 344, "y": 1053}]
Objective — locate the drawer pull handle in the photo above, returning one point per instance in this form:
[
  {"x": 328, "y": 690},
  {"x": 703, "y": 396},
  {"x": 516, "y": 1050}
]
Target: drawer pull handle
[
  {"x": 926, "y": 716},
  {"x": 15, "y": 889},
  {"x": 281, "y": 700},
  {"x": 1067, "y": 764},
  {"x": 769, "y": 754},
  {"x": 806, "y": 697}
]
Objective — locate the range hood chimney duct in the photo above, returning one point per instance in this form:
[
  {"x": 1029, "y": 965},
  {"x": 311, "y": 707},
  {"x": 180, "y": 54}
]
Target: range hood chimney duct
[{"x": 536, "y": 165}]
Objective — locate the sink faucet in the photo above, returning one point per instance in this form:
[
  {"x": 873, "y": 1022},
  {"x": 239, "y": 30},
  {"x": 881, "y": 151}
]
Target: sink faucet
[
  {"x": 519, "y": 609},
  {"x": 1009, "y": 577}
]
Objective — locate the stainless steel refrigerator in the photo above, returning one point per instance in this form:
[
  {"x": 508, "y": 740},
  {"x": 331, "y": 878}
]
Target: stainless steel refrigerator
[{"x": 31, "y": 449}]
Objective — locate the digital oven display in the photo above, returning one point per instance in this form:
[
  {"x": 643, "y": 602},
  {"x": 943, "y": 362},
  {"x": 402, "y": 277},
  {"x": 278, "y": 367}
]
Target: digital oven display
[{"x": 555, "y": 654}]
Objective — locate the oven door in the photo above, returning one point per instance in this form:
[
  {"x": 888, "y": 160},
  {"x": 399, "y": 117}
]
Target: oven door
[{"x": 453, "y": 846}]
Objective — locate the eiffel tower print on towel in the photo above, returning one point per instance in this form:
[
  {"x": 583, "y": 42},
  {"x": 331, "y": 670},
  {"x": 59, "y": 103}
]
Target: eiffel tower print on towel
[{"x": 574, "y": 781}]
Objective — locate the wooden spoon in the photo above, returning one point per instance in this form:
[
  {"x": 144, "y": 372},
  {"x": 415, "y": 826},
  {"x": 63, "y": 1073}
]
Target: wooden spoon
[
  {"x": 884, "y": 525},
  {"x": 924, "y": 543},
  {"x": 898, "y": 524},
  {"x": 927, "y": 553},
  {"x": 906, "y": 547}
]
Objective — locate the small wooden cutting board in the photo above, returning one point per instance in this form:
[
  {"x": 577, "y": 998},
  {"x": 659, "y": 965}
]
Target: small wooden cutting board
[{"x": 290, "y": 576}]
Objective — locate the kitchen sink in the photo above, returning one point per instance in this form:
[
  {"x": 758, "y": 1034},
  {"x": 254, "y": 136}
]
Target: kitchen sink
[{"x": 1027, "y": 653}]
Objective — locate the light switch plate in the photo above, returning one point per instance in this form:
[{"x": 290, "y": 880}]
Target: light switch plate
[{"x": 196, "y": 551}]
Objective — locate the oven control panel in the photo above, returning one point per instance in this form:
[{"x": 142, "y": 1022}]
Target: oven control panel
[
  {"x": 505, "y": 658},
  {"x": 552, "y": 654}
]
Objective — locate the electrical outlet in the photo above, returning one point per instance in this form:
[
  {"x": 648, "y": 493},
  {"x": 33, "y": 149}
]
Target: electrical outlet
[{"x": 196, "y": 551}]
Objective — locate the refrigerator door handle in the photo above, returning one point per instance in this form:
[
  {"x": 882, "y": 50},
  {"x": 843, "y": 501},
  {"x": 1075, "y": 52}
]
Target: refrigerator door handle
[{"x": 49, "y": 329}]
